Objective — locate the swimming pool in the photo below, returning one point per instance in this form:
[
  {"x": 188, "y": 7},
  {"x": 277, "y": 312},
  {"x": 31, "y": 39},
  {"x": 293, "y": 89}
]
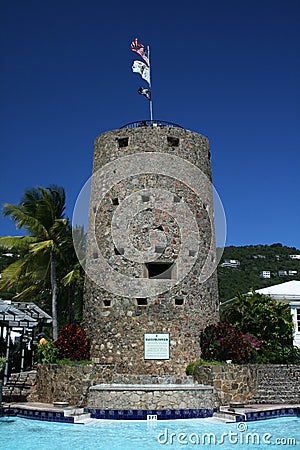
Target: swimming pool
[{"x": 25, "y": 434}]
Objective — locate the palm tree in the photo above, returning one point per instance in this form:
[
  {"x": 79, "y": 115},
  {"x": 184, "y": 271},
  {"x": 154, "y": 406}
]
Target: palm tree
[
  {"x": 72, "y": 273},
  {"x": 41, "y": 214}
]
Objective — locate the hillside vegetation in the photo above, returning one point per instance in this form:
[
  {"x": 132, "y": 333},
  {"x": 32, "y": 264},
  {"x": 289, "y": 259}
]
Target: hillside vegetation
[
  {"x": 232, "y": 281},
  {"x": 253, "y": 260}
]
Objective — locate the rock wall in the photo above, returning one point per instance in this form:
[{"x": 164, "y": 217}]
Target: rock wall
[
  {"x": 68, "y": 382},
  {"x": 98, "y": 386},
  {"x": 155, "y": 397},
  {"x": 259, "y": 384}
]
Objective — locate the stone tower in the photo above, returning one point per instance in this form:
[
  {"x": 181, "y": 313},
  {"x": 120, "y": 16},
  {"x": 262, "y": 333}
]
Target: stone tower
[{"x": 151, "y": 285}]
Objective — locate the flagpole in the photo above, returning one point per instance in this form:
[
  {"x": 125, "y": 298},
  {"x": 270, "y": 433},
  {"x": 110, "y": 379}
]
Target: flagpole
[{"x": 150, "y": 102}]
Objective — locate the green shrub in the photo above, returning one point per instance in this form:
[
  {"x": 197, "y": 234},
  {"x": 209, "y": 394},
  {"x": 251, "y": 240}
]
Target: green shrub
[
  {"x": 69, "y": 361},
  {"x": 47, "y": 353},
  {"x": 2, "y": 364},
  {"x": 193, "y": 366}
]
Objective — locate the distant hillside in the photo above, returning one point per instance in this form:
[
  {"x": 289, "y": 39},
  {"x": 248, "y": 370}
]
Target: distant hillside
[{"x": 253, "y": 259}]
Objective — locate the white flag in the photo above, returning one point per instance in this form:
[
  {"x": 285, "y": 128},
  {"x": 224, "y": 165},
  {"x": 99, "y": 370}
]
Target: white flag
[{"x": 142, "y": 69}]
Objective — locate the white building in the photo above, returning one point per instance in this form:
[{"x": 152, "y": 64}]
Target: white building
[
  {"x": 294, "y": 256},
  {"x": 288, "y": 292},
  {"x": 265, "y": 274},
  {"x": 282, "y": 273},
  {"x": 233, "y": 263}
]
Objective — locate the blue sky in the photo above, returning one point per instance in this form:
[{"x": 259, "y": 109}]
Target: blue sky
[{"x": 227, "y": 69}]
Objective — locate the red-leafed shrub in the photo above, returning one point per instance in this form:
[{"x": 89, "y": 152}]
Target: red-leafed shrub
[
  {"x": 221, "y": 342},
  {"x": 72, "y": 343}
]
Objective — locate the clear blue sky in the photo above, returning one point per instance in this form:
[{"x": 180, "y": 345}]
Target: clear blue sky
[{"x": 227, "y": 69}]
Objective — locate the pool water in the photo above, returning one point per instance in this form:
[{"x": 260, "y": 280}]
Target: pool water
[{"x": 26, "y": 434}]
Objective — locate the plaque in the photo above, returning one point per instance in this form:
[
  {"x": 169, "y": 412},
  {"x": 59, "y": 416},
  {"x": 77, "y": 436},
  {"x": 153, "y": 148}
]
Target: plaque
[{"x": 157, "y": 346}]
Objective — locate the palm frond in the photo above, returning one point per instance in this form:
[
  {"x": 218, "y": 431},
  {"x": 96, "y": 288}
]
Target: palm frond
[
  {"x": 25, "y": 219},
  {"x": 71, "y": 277},
  {"x": 41, "y": 247},
  {"x": 16, "y": 242},
  {"x": 12, "y": 274}
]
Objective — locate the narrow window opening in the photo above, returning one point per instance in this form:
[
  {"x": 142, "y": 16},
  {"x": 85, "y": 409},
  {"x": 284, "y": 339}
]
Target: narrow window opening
[
  {"x": 142, "y": 301},
  {"x": 160, "y": 228},
  {"x": 145, "y": 198},
  {"x": 192, "y": 252},
  {"x": 178, "y": 301},
  {"x": 172, "y": 141},
  {"x": 115, "y": 201},
  {"x": 177, "y": 199},
  {"x": 159, "y": 270},
  {"x": 119, "y": 251},
  {"x": 123, "y": 142},
  {"x": 95, "y": 255},
  {"x": 107, "y": 303}
]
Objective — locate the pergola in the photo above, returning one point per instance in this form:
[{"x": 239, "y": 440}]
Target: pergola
[{"x": 24, "y": 318}]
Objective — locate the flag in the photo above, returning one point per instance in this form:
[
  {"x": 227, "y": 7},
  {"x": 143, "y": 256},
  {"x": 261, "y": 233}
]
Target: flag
[
  {"x": 146, "y": 92},
  {"x": 137, "y": 47},
  {"x": 142, "y": 69}
]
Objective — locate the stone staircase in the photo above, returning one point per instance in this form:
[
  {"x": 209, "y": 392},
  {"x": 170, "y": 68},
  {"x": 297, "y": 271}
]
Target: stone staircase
[
  {"x": 18, "y": 386},
  {"x": 280, "y": 384}
]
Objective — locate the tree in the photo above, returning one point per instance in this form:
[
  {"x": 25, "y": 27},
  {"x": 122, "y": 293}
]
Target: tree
[
  {"x": 41, "y": 214},
  {"x": 72, "y": 273},
  {"x": 269, "y": 320}
]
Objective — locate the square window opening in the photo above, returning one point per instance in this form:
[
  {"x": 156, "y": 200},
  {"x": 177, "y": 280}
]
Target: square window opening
[
  {"x": 145, "y": 198},
  {"x": 160, "y": 270},
  {"x": 178, "y": 301},
  {"x": 107, "y": 303},
  {"x": 173, "y": 141},
  {"x": 123, "y": 142},
  {"x": 142, "y": 301}
]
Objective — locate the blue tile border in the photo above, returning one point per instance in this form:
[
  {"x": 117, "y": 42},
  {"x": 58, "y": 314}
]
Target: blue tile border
[
  {"x": 49, "y": 416},
  {"x": 272, "y": 414},
  {"x": 166, "y": 414}
]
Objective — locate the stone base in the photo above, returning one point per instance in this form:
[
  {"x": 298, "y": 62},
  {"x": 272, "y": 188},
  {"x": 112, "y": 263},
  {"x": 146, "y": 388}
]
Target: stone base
[{"x": 150, "y": 396}]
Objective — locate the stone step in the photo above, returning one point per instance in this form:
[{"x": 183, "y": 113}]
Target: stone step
[
  {"x": 82, "y": 418},
  {"x": 78, "y": 414},
  {"x": 225, "y": 416},
  {"x": 275, "y": 399},
  {"x": 151, "y": 379},
  {"x": 73, "y": 411}
]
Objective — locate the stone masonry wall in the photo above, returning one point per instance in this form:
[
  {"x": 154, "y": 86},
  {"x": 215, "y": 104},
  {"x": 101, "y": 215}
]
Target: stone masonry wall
[
  {"x": 98, "y": 386},
  {"x": 68, "y": 382},
  {"x": 259, "y": 384},
  {"x": 151, "y": 397},
  {"x": 116, "y": 324}
]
